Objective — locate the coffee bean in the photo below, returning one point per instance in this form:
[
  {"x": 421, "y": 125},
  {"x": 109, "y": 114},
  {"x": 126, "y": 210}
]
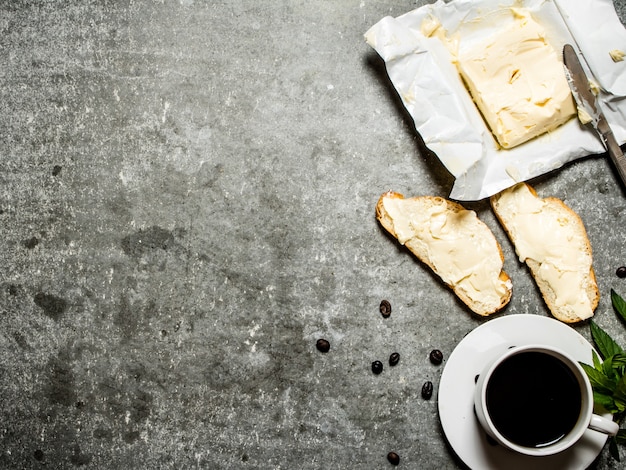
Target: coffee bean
[
  {"x": 621, "y": 272},
  {"x": 394, "y": 359},
  {"x": 377, "y": 367},
  {"x": 394, "y": 459},
  {"x": 427, "y": 390},
  {"x": 322, "y": 345},
  {"x": 436, "y": 356},
  {"x": 38, "y": 454},
  {"x": 385, "y": 308}
]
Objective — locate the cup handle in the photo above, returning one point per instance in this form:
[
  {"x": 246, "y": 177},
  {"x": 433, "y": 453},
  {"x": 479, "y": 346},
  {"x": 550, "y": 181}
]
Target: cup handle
[{"x": 603, "y": 425}]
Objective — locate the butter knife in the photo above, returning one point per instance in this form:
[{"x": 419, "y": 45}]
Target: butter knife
[{"x": 586, "y": 101}]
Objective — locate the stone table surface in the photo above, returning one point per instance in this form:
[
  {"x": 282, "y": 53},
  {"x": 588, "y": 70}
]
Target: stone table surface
[{"x": 187, "y": 205}]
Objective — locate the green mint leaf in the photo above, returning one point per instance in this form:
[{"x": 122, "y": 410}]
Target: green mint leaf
[
  {"x": 619, "y": 364},
  {"x": 600, "y": 382},
  {"x": 613, "y": 366},
  {"x": 597, "y": 363},
  {"x": 619, "y": 360},
  {"x": 621, "y": 436},
  {"x": 613, "y": 450},
  {"x": 619, "y": 395},
  {"x": 605, "y": 401},
  {"x": 606, "y": 345},
  {"x": 608, "y": 370},
  {"x": 619, "y": 304},
  {"x": 608, "y": 377}
]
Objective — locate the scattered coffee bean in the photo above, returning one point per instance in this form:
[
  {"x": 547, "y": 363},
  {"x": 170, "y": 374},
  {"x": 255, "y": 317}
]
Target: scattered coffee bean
[
  {"x": 476, "y": 378},
  {"x": 31, "y": 243},
  {"x": 377, "y": 367},
  {"x": 394, "y": 359},
  {"x": 427, "y": 390},
  {"x": 436, "y": 356},
  {"x": 385, "y": 308},
  {"x": 621, "y": 272},
  {"x": 322, "y": 345},
  {"x": 394, "y": 459}
]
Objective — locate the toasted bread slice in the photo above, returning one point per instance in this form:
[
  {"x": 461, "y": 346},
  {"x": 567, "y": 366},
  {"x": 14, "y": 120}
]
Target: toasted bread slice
[
  {"x": 551, "y": 239},
  {"x": 454, "y": 243}
]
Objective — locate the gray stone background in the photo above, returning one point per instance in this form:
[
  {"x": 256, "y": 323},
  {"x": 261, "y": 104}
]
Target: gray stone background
[{"x": 187, "y": 204}]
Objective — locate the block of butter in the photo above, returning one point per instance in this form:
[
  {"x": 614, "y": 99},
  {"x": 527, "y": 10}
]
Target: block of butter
[{"x": 517, "y": 81}]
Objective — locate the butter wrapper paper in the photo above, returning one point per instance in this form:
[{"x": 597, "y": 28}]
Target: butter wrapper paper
[{"x": 422, "y": 72}]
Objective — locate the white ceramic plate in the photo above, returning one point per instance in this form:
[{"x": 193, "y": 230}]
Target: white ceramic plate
[{"x": 456, "y": 390}]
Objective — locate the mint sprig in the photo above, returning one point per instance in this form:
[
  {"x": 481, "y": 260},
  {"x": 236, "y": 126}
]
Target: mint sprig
[{"x": 608, "y": 376}]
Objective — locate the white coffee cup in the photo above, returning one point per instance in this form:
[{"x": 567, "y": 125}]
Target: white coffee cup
[{"x": 537, "y": 400}]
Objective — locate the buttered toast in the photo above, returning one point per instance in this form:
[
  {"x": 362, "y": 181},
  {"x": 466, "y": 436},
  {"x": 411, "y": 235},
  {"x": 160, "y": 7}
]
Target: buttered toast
[
  {"x": 551, "y": 239},
  {"x": 454, "y": 243}
]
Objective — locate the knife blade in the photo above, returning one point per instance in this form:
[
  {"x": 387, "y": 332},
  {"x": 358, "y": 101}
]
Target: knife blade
[{"x": 587, "y": 102}]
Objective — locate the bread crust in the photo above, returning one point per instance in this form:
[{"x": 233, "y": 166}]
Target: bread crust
[
  {"x": 417, "y": 250},
  {"x": 547, "y": 292}
]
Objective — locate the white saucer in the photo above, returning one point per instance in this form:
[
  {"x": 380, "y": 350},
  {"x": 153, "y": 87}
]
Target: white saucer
[{"x": 456, "y": 390}]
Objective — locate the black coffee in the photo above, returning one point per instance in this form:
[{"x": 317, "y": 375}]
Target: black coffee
[{"x": 533, "y": 399}]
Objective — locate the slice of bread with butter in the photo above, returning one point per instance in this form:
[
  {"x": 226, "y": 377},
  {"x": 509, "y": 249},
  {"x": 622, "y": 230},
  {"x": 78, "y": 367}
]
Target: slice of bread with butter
[
  {"x": 454, "y": 243},
  {"x": 551, "y": 239}
]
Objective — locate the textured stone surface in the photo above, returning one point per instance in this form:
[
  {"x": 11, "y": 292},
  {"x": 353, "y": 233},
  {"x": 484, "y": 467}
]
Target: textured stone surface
[{"x": 187, "y": 204}]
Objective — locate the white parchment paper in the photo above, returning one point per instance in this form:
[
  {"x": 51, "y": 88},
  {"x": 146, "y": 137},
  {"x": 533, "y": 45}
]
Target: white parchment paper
[{"x": 444, "y": 114}]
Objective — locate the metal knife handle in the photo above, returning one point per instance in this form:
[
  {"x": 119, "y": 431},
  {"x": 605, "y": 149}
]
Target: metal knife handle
[{"x": 615, "y": 152}]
